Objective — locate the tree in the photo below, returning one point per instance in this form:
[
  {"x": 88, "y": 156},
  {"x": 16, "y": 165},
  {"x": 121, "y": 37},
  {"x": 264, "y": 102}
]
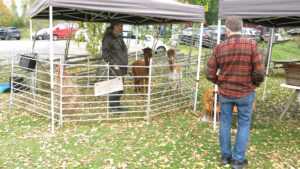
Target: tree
[
  {"x": 211, "y": 16},
  {"x": 5, "y": 14},
  {"x": 13, "y": 7}
]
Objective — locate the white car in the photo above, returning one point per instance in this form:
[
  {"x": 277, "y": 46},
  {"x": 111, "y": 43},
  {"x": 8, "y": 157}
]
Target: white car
[
  {"x": 42, "y": 34},
  {"x": 130, "y": 40},
  {"x": 251, "y": 33},
  {"x": 143, "y": 42},
  {"x": 82, "y": 33},
  {"x": 277, "y": 38}
]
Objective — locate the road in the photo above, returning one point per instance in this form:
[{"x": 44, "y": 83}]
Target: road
[{"x": 7, "y": 47}]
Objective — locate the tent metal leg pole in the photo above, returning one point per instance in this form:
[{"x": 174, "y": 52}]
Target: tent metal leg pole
[
  {"x": 216, "y": 86},
  {"x": 51, "y": 68},
  {"x": 149, "y": 93},
  {"x": 31, "y": 40},
  {"x": 107, "y": 96},
  {"x": 11, "y": 81},
  {"x": 199, "y": 66},
  {"x": 268, "y": 64},
  {"x": 136, "y": 42},
  {"x": 61, "y": 78}
]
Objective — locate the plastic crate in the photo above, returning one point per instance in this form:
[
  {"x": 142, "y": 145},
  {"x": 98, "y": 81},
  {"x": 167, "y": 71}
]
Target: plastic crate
[{"x": 28, "y": 62}]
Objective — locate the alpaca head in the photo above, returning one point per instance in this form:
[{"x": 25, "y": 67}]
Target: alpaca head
[
  {"x": 147, "y": 55},
  {"x": 171, "y": 54},
  {"x": 147, "y": 52}
]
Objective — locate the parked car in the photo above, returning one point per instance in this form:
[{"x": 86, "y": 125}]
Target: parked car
[
  {"x": 6, "y": 33},
  {"x": 277, "y": 38},
  {"x": 129, "y": 38},
  {"x": 82, "y": 34},
  {"x": 60, "y": 31},
  {"x": 294, "y": 32},
  {"x": 190, "y": 36},
  {"x": 214, "y": 32},
  {"x": 251, "y": 33},
  {"x": 143, "y": 42},
  {"x": 42, "y": 34},
  {"x": 64, "y": 30}
]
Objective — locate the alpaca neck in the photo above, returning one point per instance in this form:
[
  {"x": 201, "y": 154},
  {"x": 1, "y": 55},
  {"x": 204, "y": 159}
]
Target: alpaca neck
[
  {"x": 172, "y": 66},
  {"x": 147, "y": 63}
]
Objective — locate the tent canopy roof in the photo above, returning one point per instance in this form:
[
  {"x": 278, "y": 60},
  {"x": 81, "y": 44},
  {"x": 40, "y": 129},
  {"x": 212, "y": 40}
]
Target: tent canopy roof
[
  {"x": 137, "y": 12},
  {"x": 278, "y": 13}
]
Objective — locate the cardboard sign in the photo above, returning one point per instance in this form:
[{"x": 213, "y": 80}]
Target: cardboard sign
[{"x": 108, "y": 86}]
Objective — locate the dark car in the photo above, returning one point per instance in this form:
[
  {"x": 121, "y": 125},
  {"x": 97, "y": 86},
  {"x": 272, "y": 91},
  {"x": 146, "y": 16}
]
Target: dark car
[
  {"x": 251, "y": 33},
  {"x": 6, "y": 33},
  {"x": 190, "y": 36},
  {"x": 214, "y": 32},
  {"x": 42, "y": 34}
]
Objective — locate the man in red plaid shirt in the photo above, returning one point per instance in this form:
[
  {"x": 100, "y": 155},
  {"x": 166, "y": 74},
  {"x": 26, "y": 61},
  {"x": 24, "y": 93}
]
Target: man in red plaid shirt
[{"x": 240, "y": 71}]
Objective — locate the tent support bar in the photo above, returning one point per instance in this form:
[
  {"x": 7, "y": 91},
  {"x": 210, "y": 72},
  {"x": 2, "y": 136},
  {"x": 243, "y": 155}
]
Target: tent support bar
[
  {"x": 270, "y": 47},
  {"x": 216, "y": 86},
  {"x": 199, "y": 65},
  {"x": 31, "y": 40},
  {"x": 51, "y": 67}
]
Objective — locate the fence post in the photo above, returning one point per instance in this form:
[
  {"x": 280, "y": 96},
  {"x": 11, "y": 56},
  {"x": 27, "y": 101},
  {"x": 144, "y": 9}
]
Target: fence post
[
  {"x": 51, "y": 68},
  {"x": 11, "y": 81},
  {"x": 107, "y": 95},
  {"x": 61, "y": 78},
  {"x": 149, "y": 92},
  {"x": 198, "y": 66}
]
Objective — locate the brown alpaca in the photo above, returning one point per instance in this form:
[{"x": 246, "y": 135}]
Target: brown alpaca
[
  {"x": 209, "y": 96},
  {"x": 175, "y": 70},
  {"x": 68, "y": 81},
  {"x": 208, "y": 100},
  {"x": 141, "y": 83}
]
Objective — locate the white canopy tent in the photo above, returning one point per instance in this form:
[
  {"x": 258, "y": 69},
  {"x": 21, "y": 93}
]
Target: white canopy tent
[
  {"x": 271, "y": 13},
  {"x": 131, "y": 12}
]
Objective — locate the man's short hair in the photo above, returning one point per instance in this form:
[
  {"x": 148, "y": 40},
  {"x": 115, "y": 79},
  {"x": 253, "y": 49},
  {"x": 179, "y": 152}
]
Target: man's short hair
[
  {"x": 234, "y": 23},
  {"x": 115, "y": 22}
]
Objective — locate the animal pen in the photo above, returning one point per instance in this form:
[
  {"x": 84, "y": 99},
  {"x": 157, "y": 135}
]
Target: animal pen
[
  {"x": 5, "y": 74},
  {"x": 62, "y": 89}
]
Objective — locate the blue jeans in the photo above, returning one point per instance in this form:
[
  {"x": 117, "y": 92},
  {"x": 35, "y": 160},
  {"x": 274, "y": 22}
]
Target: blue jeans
[
  {"x": 244, "y": 106},
  {"x": 114, "y": 99}
]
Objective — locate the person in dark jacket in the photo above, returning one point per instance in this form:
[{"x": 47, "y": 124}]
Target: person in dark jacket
[
  {"x": 114, "y": 52},
  {"x": 240, "y": 70}
]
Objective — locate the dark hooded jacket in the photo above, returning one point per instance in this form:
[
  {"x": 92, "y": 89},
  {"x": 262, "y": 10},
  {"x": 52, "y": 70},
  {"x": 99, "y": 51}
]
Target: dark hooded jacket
[{"x": 114, "y": 49}]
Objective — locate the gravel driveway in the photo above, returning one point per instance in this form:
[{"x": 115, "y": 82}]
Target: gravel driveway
[{"x": 7, "y": 47}]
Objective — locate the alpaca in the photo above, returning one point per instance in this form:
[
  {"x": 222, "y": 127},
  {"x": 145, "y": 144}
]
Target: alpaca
[
  {"x": 175, "y": 71},
  {"x": 209, "y": 96},
  {"x": 141, "y": 83},
  {"x": 68, "y": 81}
]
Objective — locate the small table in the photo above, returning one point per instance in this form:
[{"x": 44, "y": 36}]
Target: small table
[
  {"x": 281, "y": 62},
  {"x": 292, "y": 98}
]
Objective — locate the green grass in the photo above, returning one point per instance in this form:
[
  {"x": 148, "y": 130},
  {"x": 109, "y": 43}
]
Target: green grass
[
  {"x": 281, "y": 51},
  {"x": 286, "y": 50},
  {"x": 174, "y": 140}
]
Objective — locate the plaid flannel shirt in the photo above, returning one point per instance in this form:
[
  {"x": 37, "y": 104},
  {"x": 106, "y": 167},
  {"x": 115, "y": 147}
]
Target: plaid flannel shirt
[{"x": 239, "y": 61}]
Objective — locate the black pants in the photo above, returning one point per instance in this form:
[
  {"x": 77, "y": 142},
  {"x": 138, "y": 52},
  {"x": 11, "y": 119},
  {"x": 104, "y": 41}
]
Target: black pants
[{"x": 114, "y": 99}]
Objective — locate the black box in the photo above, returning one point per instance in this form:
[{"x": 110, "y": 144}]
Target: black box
[
  {"x": 28, "y": 62},
  {"x": 17, "y": 83}
]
